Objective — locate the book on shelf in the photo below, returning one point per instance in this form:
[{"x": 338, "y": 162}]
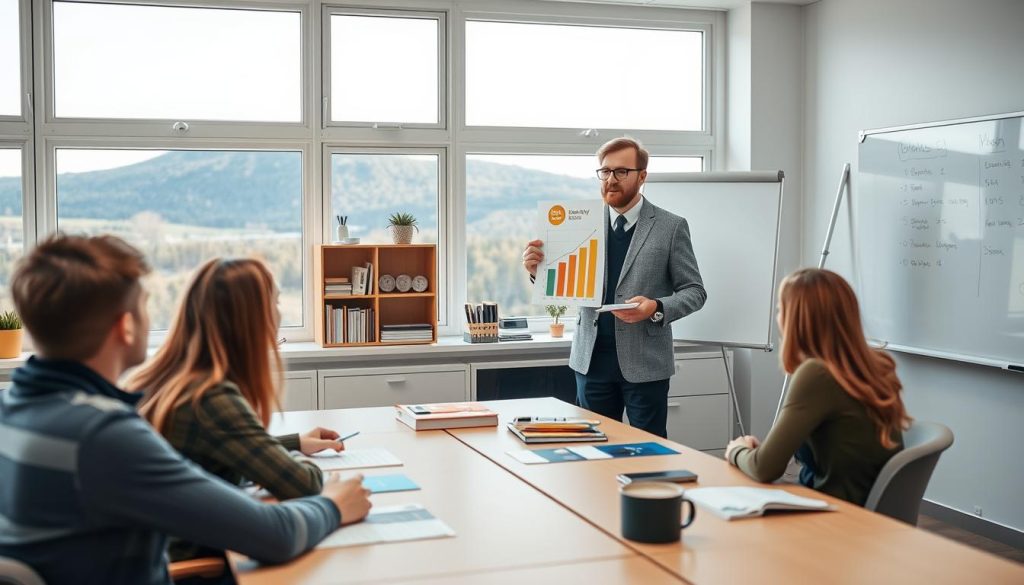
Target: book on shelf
[
  {"x": 532, "y": 430},
  {"x": 336, "y": 280},
  {"x": 730, "y": 503},
  {"x": 358, "y": 280},
  {"x": 368, "y": 283},
  {"x": 456, "y": 415}
]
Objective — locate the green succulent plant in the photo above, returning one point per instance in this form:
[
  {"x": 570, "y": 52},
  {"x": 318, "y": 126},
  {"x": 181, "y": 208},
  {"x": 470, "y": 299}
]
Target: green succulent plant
[{"x": 403, "y": 219}]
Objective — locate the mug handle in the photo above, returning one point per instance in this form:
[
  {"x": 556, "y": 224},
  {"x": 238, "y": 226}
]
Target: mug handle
[{"x": 691, "y": 515}]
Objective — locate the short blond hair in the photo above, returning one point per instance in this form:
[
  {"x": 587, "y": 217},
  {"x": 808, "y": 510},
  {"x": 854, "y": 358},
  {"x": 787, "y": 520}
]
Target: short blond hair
[{"x": 622, "y": 143}]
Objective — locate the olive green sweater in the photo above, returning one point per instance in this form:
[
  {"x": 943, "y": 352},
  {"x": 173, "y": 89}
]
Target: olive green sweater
[{"x": 844, "y": 441}]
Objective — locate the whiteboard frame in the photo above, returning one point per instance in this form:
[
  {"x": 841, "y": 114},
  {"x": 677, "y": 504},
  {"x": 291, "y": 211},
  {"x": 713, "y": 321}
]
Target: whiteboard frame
[
  {"x": 739, "y": 177},
  {"x": 923, "y": 351},
  {"x": 939, "y": 123}
]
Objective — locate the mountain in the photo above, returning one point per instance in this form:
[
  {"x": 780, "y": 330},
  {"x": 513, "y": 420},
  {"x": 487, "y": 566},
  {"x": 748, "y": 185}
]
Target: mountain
[{"x": 236, "y": 189}]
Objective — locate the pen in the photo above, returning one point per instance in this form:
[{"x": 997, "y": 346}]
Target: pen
[{"x": 345, "y": 438}]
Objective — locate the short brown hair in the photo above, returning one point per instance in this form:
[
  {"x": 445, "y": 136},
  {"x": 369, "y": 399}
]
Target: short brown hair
[
  {"x": 622, "y": 143},
  {"x": 70, "y": 290}
]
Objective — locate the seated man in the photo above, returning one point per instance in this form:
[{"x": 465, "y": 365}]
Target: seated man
[{"x": 89, "y": 490}]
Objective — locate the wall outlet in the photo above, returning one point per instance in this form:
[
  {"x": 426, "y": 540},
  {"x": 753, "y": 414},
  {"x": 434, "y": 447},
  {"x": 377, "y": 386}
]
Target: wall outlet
[{"x": 977, "y": 511}]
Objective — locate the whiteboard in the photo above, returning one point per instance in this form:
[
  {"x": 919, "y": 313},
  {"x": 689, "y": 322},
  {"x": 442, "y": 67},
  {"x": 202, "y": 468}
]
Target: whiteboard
[
  {"x": 939, "y": 224},
  {"x": 734, "y": 225}
]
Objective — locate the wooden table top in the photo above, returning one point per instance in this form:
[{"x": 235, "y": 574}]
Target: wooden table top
[{"x": 555, "y": 523}]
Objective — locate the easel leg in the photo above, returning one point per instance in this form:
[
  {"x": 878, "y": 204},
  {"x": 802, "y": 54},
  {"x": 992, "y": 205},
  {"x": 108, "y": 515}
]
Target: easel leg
[{"x": 732, "y": 392}]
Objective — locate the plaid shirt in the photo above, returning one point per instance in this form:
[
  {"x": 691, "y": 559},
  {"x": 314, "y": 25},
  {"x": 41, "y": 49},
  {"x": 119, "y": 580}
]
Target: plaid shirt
[{"x": 225, "y": 437}]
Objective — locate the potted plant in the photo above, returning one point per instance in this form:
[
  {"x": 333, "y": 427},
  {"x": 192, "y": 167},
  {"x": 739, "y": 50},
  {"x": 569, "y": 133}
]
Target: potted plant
[
  {"x": 402, "y": 226},
  {"x": 556, "y": 311},
  {"x": 10, "y": 335}
]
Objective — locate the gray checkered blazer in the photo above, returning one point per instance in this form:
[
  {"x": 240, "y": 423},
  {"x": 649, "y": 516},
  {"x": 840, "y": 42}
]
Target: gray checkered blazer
[{"x": 659, "y": 265}]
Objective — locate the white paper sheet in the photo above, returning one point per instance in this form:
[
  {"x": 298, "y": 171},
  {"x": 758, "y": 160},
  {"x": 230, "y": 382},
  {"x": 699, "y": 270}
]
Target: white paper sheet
[
  {"x": 355, "y": 459},
  {"x": 389, "y": 524}
]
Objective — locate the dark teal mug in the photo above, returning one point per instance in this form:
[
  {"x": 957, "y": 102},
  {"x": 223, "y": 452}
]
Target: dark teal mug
[{"x": 651, "y": 511}]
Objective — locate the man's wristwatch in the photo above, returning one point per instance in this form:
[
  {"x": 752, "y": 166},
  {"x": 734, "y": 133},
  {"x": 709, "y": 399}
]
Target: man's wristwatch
[{"x": 659, "y": 313}]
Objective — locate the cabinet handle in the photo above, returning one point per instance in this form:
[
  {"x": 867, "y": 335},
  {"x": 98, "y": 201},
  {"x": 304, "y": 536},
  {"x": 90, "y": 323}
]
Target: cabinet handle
[
  {"x": 395, "y": 380},
  {"x": 673, "y": 404}
]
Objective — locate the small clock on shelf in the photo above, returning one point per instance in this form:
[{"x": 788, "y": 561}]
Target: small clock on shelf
[{"x": 419, "y": 283}]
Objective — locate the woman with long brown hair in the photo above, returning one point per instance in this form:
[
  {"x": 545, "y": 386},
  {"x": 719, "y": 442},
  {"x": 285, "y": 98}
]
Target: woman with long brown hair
[
  {"x": 212, "y": 386},
  {"x": 843, "y": 416}
]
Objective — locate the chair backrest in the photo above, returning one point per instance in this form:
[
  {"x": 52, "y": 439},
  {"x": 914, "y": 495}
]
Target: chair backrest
[
  {"x": 900, "y": 485},
  {"x": 14, "y": 572}
]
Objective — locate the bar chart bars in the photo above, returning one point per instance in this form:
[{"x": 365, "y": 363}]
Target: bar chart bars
[{"x": 575, "y": 276}]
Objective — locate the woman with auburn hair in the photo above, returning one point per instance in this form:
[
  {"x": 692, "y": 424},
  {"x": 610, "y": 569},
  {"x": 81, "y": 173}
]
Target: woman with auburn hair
[
  {"x": 211, "y": 388},
  {"x": 843, "y": 416}
]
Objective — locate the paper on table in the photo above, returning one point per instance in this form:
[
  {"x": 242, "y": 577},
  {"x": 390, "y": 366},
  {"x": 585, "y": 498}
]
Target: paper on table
[
  {"x": 606, "y": 308},
  {"x": 354, "y": 459},
  {"x": 390, "y": 524}
]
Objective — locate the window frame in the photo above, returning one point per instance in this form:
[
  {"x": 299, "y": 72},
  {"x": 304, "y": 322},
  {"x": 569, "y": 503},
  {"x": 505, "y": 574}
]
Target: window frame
[
  {"x": 48, "y": 206},
  {"x": 163, "y": 127},
  {"x": 41, "y": 133},
  {"x": 444, "y": 283},
  {"x": 440, "y": 16}
]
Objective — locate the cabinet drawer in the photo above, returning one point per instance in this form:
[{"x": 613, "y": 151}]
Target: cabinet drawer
[
  {"x": 699, "y": 376},
  {"x": 394, "y": 388},
  {"x": 699, "y": 422},
  {"x": 299, "y": 393}
]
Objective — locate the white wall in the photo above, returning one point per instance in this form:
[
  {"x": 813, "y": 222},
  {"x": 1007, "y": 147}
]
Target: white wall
[
  {"x": 877, "y": 63},
  {"x": 765, "y": 132}
]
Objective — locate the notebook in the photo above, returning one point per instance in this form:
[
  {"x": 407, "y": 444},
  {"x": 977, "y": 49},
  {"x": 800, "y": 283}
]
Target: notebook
[
  {"x": 329, "y": 460},
  {"x": 389, "y": 524},
  {"x": 554, "y": 433},
  {"x": 746, "y": 502}
]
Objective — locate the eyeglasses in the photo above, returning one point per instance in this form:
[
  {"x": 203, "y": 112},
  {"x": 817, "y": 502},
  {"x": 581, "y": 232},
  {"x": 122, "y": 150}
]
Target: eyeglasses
[{"x": 620, "y": 174}]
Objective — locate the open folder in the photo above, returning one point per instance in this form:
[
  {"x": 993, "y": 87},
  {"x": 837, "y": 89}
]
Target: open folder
[{"x": 745, "y": 502}]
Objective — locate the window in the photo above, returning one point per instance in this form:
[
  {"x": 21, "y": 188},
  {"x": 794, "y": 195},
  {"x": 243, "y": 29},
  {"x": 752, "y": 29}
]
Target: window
[
  {"x": 561, "y": 76},
  {"x": 385, "y": 68},
  {"x": 502, "y": 192},
  {"x": 10, "y": 59},
  {"x": 12, "y": 236},
  {"x": 145, "y": 62},
  {"x": 183, "y": 207},
  {"x": 368, "y": 188}
]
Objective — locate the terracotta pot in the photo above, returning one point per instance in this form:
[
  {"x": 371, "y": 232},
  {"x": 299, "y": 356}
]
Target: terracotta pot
[
  {"x": 10, "y": 343},
  {"x": 557, "y": 329},
  {"x": 402, "y": 234}
]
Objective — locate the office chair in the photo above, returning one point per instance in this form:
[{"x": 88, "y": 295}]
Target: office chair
[
  {"x": 900, "y": 485},
  {"x": 14, "y": 572}
]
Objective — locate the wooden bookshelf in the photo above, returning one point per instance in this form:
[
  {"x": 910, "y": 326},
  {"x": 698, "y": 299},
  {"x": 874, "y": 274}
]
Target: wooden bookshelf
[{"x": 394, "y": 308}]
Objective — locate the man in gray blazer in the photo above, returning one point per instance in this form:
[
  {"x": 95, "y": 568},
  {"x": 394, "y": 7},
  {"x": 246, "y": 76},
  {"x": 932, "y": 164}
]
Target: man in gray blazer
[{"x": 624, "y": 358}]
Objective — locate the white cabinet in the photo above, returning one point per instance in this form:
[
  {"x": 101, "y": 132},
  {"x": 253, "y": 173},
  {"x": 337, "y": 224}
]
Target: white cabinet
[
  {"x": 700, "y": 412},
  {"x": 299, "y": 391},
  {"x": 356, "y": 388}
]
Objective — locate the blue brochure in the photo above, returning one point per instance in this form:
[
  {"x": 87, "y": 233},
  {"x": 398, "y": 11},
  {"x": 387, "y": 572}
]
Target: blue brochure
[
  {"x": 636, "y": 450},
  {"x": 380, "y": 484},
  {"x": 590, "y": 453}
]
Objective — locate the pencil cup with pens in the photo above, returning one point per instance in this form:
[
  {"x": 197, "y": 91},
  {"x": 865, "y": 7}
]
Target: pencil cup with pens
[
  {"x": 341, "y": 231},
  {"x": 481, "y": 323}
]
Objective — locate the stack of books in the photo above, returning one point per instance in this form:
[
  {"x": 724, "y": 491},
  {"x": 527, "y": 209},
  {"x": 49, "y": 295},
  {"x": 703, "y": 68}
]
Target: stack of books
[
  {"x": 407, "y": 332},
  {"x": 456, "y": 415},
  {"x": 337, "y": 286},
  {"x": 532, "y": 430}
]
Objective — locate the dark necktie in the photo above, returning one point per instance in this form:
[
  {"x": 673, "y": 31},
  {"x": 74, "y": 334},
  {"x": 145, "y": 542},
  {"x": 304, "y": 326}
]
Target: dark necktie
[{"x": 620, "y": 225}]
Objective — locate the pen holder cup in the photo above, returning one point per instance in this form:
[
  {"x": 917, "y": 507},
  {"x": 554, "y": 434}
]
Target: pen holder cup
[
  {"x": 481, "y": 333},
  {"x": 340, "y": 232}
]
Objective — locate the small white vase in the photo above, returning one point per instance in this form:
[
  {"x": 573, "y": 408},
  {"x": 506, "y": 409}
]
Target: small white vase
[{"x": 340, "y": 233}]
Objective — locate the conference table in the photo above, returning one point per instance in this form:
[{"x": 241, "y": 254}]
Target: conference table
[{"x": 559, "y": 522}]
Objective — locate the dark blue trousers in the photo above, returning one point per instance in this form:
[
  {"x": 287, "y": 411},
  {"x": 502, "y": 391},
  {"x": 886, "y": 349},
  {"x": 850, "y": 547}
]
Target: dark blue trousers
[{"x": 604, "y": 391}]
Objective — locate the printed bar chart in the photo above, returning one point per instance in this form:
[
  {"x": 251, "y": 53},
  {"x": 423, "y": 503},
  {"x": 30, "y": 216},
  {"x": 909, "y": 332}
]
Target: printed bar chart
[{"x": 573, "y": 244}]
